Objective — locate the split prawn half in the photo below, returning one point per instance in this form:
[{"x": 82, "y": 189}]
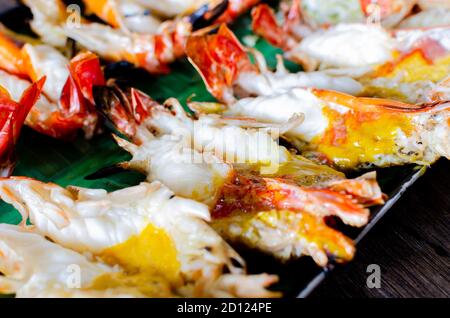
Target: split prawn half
[
  {"x": 226, "y": 68},
  {"x": 147, "y": 16},
  {"x": 66, "y": 105},
  {"x": 32, "y": 266},
  {"x": 421, "y": 76},
  {"x": 355, "y": 46},
  {"x": 309, "y": 15},
  {"x": 434, "y": 13},
  {"x": 418, "y": 74},
  {"x": 339, "y": 129},
  {"x": 12, "y": 118},
  {"x": 148, "y": 232},
  {"x": 259, "y": 193},
  {"x": 152, "y": 51}
]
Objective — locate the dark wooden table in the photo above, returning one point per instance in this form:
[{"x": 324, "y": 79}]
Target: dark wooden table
[{"x": 410, "y": 244}]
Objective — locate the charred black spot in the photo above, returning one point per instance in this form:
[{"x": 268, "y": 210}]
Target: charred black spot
[
  {"x": 104, "y": 98},
  {"x": 106, "y": 172},
  {"x": 205, "y": 16},
  {"x": 123, "y": 71}
]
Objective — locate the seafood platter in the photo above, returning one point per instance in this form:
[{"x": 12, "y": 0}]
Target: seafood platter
[{"x": 209, "y": 148}]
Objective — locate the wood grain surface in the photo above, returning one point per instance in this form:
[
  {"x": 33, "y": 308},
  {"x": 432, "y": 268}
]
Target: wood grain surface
[{"x": 410, "y": 244}]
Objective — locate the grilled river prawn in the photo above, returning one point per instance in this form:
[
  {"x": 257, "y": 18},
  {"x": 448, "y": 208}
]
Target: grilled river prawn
[
  {"x": 12, "y": 118},
  {"x": 433, "y": 14},
  {"x": 167, "y": 9},
  {"x": 126, "y": 15},
  {"x": 32, "y": 266},
  {"x": 146, "y": 230},
  {"x": 260, "y": 194},
  {"x": 226, "y": 69},
  {"x": 417, "y": 76},
  {"x": 150, "y": 51},
  {"x": 351, "y": 132},
  {"x": 347, "y": 45},
  {"x": 304, "y": 16},
  {"x": 66, "y": 105},
  {"x": 147, "y": 16},
  {"x": 340, "y": 129}
]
